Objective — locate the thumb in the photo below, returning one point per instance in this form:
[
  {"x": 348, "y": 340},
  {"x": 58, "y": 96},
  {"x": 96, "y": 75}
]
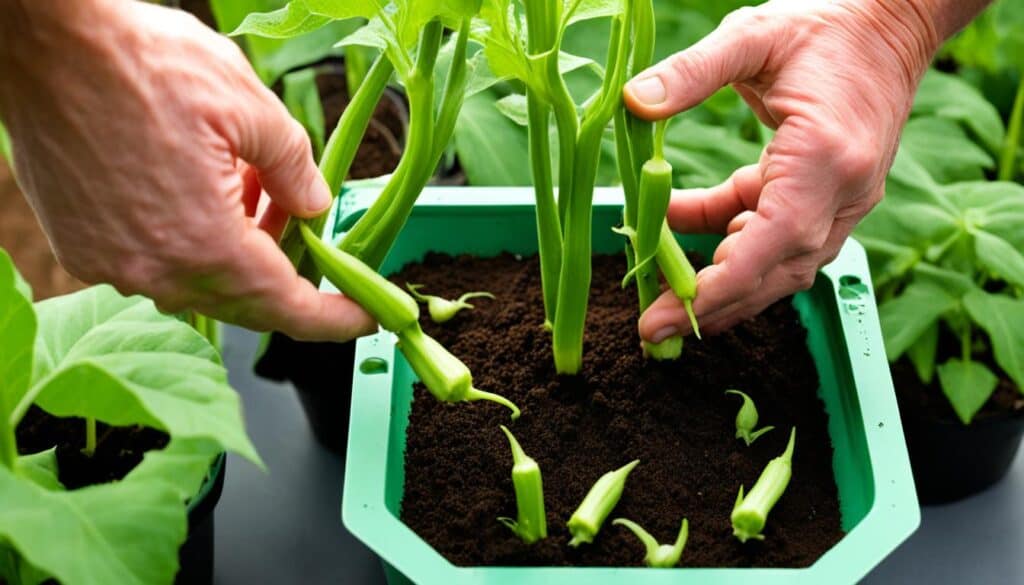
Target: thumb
[
  {"x": 737, "y": 50},
  {"x": 278, "y": 148}
]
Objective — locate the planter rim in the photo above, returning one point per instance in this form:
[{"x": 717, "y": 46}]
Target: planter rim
[{"x": 893, "y": 515}]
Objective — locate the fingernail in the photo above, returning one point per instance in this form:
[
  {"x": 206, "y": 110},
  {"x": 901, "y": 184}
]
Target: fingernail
[
  {"x": 319, "y": 198},
  {"x": 664, "y": 333},
  {"x": 649, "y": 91}
]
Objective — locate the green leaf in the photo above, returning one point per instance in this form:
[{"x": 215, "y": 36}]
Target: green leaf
[
  {"x": 967, "y": 385},
  {"x": 999, "y": 257},
  {"x": 127, "y": 532},
  {"x": 923, "y": 351},
  {"x": 492, "y": 148},
  {"x": 703, "y": 155},
  {"x": 942, "y": 147},
  {"x": 948, "y": 96},
  {"x": 293, "y": 20},
  {"x": 994, "y": 41},
  {"x": 995, "y": 206},
  {"x": 18, "y": 332},
  {"x": 302, "y": 98},
  {"x": 41, "y": 468},
  {"x": 513, "y": 107},
  {"x": 345, "y": 9},
  {"x": 1003, "y": 319},
  {"x": 590, "y": 9},
  {"x": 906, "y": 317},
  {"x": 374, "y": 34},
  {"x": 120, "y": 361}
]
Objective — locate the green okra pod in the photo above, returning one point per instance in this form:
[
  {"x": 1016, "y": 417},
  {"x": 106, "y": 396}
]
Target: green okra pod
[
  {"x": 750, "y": 513},
  {"x": 679, "y": 273},
  {"x": 661, "y": 556},
  {"x": 586, "y": 521},
  {"x": 441, "y": 309},
  {"x": 746, "y": 419},
  {"x": 531, "y": 522}
]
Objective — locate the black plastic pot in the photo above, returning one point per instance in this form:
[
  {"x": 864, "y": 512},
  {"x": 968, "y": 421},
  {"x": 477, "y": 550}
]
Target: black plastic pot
[
  {"x": 322, "y": 376},
  {"x": 196, "y": 555},
  {"x": 952, "y": 461}
]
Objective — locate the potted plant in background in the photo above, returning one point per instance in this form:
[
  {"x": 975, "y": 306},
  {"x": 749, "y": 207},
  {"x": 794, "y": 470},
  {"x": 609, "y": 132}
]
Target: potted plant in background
[
  {"x": 945, "y": 247},
  {"x": 113, "y": 423}
]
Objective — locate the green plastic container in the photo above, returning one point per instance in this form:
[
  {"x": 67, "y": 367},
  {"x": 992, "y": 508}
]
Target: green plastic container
[{"x": 876, "y": 490}]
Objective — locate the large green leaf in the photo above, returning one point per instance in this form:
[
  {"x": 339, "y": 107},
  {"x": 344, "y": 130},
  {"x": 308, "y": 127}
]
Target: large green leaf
[
  {"x": 117, "y": 359},
  {"x": 40, "y": 468},
  {"x": 492, "y": 148},
  {"x": 942, "y": 147},
  {"x": 703, "y": 155},
  {"x": 302, "y": 98},
  {"x": 999, "y": 257},
  {"x": 291, "y": 21},
  {"x": 994, "y": 41},
  {"x": 995, "y": 206},
  {"x": 127, "y": 532},
  {"x": 590, "y": 9},
  {"x": 906, "y": 317},
  {"x": 967, "y": 385},
  {"x": 923, "y": 351},
  {"x": 1002, "y": 318},
  {"x": 17, "y": 335},
  {"x": 948, "y": 96}
]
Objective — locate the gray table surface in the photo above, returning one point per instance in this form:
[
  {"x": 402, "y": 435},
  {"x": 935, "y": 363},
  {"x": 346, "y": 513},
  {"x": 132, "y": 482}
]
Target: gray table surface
[{"x": 284, "y": 526}]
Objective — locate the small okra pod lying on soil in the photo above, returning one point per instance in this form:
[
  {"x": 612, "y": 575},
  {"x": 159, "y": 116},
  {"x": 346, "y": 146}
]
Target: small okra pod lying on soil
[
  {"x": 530, "y": 524},
  {"x": 746, "y": 420},
  {"x": 441, "y": 309},
  {"x": 586, "y": 521},
  {"x": 750, "y": 513},
  {"x": 661, "y": 556},
  {"x": 444, "y": 375}
]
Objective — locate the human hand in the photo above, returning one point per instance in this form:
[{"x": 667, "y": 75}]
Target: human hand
[
  {"x": 836, "y": 81},
  {"x": 157, "y": 162}
]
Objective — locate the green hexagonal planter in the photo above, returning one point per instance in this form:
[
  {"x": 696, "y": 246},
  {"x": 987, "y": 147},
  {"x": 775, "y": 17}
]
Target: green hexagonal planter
[{"x": 877, "y": 498}]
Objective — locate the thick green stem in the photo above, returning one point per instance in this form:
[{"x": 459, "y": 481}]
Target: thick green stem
[
  {"x": 8, "y": 442},
  {"x": 574, "y": 278},
  {"x": 1008, "y": 158},
  {"x": 549, "y": 231},
  {"x": 567, "y": 124},
  {"x": 357, "y": 67},
  {"x": 90, "y": 437},
  {"x": 337, "y": 158}
]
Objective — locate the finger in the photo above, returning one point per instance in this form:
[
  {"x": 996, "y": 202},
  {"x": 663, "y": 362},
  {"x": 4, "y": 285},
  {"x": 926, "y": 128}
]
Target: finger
[
  {"x": 276, "y": 298},
  {"x": 273, "y": 221},
  {"x": 666, "y": 317},
  {"x": 279, "y": 149},
  {"x": 251, "y": 188},
  {"x": 733, "y": 52},
  {"x": 711, "y": 210},
  {"x": 756, "y": 103},
  {"x": 739, "y": 221}
]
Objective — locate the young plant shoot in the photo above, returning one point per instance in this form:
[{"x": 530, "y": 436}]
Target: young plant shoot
[
  {"x": 531, "y": 523},
  {"x": 659, "y": 556},
  {"x": 441, "y": 309},
  {"x": 750, "y": 513},
  {"x": 586, "y": 521},
  {"x": 447, "y": 378},
  {"x": 746, "y": 420}
]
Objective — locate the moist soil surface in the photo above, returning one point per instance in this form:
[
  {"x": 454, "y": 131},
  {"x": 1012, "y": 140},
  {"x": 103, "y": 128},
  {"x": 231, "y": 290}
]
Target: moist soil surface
[
  {"x": 118, "y": 449},
  {"x": 672, "y": 416}
]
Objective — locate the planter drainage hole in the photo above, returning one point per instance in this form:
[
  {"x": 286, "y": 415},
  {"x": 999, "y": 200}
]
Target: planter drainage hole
[
  {"x": 853, "y": 293},
  {"x": 374, "y": 366}
]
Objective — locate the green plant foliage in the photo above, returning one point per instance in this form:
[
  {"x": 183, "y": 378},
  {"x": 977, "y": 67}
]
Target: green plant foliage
[
  {"x": 943, "y": 148},
  {"x": 491, "y": 147},
  {"x": 5, "y": 146},
  {"x": 302, "y": 98},
  {"x": 1003, "y": 319},
  {"x": 100, "y": 355},
  {"x": 967, "y": 385},
  {"x": 948, "y": 97}
]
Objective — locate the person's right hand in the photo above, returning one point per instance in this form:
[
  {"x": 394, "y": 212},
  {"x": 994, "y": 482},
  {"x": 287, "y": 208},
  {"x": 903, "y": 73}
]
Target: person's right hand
[
  {"x": 836, "y": 80},
  {"x": 145, "y": 142}
]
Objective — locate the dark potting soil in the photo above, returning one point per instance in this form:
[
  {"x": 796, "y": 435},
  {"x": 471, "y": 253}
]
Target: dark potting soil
[
  {"x": 929, "y": 400},
  {"x": 118, "y": 449},
  {"x": 672, "y": 416}
]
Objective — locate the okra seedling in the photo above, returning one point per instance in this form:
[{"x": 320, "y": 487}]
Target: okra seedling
[
  {"x": 661, "y": 556},
  {"x": 746, "y": 420},
  {"x": 530, "y": 524},
  {"x": 750, "y": 513},
  {"x": 441, "y": 309},
  {"x": 586, "y": 521},
  {"x": 447, "y": 378}
]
